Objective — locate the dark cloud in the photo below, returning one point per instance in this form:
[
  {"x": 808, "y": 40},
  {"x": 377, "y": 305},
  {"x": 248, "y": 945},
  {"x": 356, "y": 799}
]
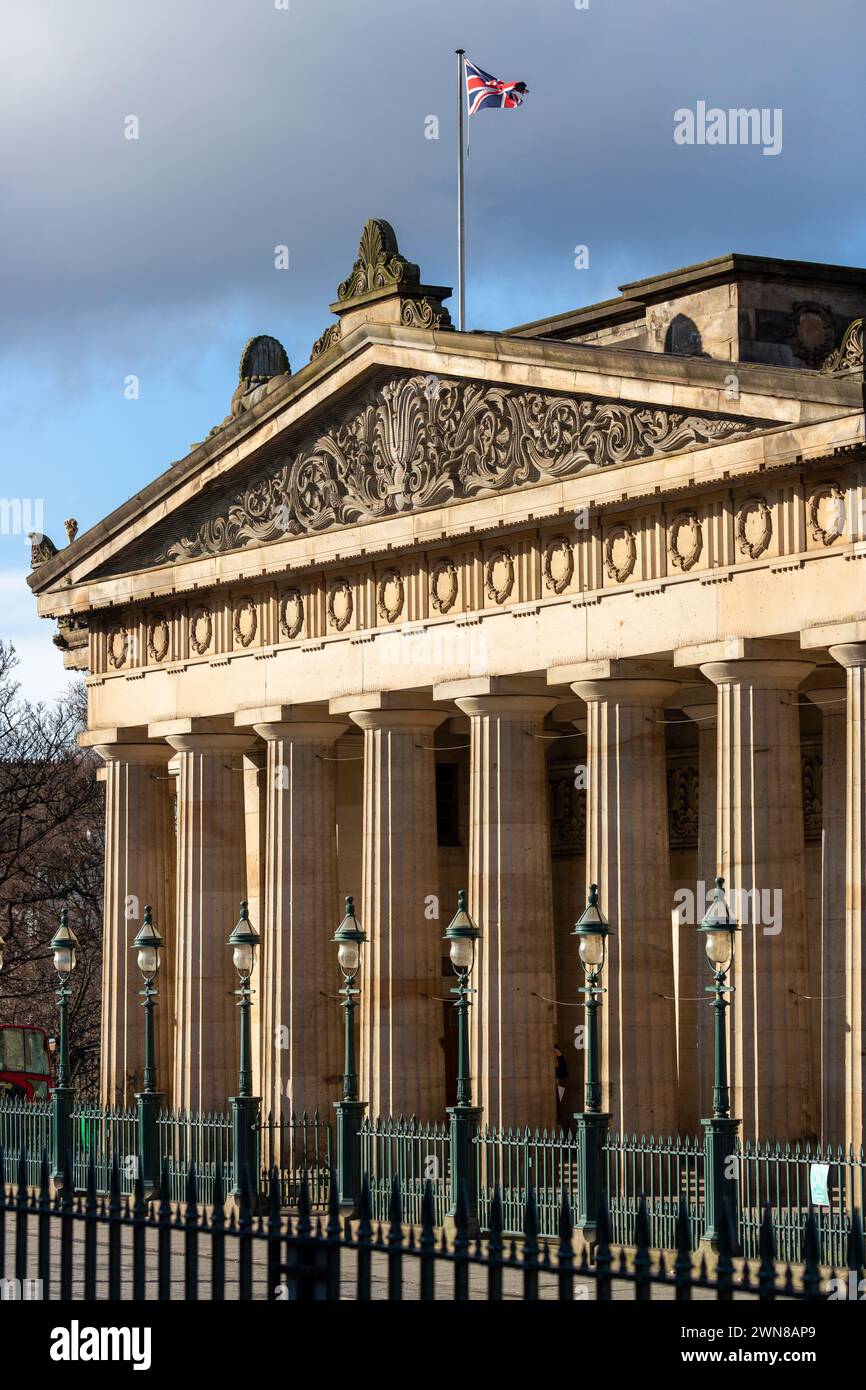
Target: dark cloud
[{"x": 262, "y": 126}]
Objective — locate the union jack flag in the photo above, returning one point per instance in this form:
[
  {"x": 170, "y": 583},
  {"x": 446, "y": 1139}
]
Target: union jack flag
[{"x": 483, "y": 90}]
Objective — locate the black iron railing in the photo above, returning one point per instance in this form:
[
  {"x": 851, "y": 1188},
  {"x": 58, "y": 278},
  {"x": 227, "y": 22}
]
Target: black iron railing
[{"x": 59, "y": 1244}]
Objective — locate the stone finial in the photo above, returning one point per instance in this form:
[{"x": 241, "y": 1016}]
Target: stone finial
[
  {"x": 848, "y": 356},
  {"x": 384, "y": 287},
  {"x": 379, "y": 265},
  {"x": 262, "y": 360},
  {"x": 42, "y": 549},
  {"x": 71, "y": 526}
]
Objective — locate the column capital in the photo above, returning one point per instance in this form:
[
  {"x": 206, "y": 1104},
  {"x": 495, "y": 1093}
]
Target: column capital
[
  {"x": 514, "y": 707},
  {"x": 211, "y": 743},
  {"x": 301, "y": 731},
  {"x": 481, "y": 686},
  {"x": 698, "y": 702},
  {"x": 762, "y": 675},
  {"x": 281, "y": 714},
  {"x": 206, "y": 724},
  {"x": 624, "y": 679},
  {"x": 136, "y": 734},
  {"x": 850, "y": 654},
  {"x": 826, "y": 689},
  {"x": 400, "y": 720},
  {"x": 159, "y": 754},
  {"x": 297, "y": 723},
  {"x": 607, "y": 668},
  {"x": 571, "y": 712}
]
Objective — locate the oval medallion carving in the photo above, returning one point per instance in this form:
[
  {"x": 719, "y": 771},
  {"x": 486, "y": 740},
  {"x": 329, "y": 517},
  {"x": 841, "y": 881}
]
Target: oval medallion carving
[
  {"x": 390, "y": 596},
  {"x": 685, "y": 540},
  {"x": 443, "y": 586},
  {"x": 620, "y": 552},
  {"x": 200, "y": 630},
  {"x": 246, "y": 622},
  {"x": 558, "y": 564},
  {"x": 117, "y": 645},
  {"x": 291, "y": 613},
  {"x": 827, "y": 513},
  {"x": 754, "y": 527},
  {"x": 340, "y": 605},
  {"x": 157, "y": 638},
  {"x": 499, "y": 575}
]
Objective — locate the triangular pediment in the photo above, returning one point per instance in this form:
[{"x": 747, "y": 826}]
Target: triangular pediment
[{"x": 414, "y": 441}]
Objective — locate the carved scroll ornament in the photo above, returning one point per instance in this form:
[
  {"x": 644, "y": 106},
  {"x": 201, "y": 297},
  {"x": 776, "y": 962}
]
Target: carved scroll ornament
[{"x": 411, "y": 447}]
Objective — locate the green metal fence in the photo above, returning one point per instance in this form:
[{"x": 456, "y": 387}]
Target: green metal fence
[
  {"x": 123, "y": 1250},
  {"x": 666, "y": 1173},
  {"x": 99, "y": 1134},
  {"x": 26, "y": 1125},
  {"x": 295, "y": 1145},
  {"x": 200, "y": 1137},
  {"x": 414, "y": 1154},
  {"x": 789, "y": 1179},
  {"x": 517, "y": 1160}
]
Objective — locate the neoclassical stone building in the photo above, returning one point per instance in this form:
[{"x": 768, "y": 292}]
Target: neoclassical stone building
[{"x": 582, "y": 600}]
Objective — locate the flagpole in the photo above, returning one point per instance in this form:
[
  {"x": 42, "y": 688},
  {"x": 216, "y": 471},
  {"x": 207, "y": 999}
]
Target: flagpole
[{"x": 461, "y": 199}]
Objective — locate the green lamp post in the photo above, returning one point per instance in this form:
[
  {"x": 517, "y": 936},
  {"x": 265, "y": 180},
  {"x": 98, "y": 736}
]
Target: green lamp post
[
  {"x": 246, "y": 1108},
  {"x": 349, "y": 939},
  {"x": 64, "y": 944},
  {"x": 147, "y": 946},
  {"x": 591, "y": 931},
  {"x": 719, "y": 930},
  {"x": 462, "y": 935}
]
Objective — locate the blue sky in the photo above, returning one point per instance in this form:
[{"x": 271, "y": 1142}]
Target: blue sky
[{"x": 262, "y": 126}]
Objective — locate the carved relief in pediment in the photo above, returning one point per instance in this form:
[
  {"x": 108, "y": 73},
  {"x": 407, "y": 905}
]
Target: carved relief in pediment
[{"x": 420, "y": 442}]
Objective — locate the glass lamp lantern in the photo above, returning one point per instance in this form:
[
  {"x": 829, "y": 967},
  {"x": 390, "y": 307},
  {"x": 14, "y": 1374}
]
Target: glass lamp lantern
[
  {"x": 349, "y": 938},
  {"x": 243, "y": 941},
  {"x": 64, "y": 944},
  {"x": 147, "y": 946},
  {"x": 719, "y": 929},
  {"x": 461, "y": 935},
  {"x": 592, "y": 931}
]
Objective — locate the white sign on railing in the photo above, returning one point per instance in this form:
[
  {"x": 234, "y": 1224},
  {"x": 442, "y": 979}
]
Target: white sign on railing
[{"x": 819, "y": 1174}]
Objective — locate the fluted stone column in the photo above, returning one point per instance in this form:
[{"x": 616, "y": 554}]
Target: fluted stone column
[
  {"x": 402, "y": 1066},
  {"x": 568, "y": 880},
  {"x": 628, "y": 855},
  {"x": 830, "y": 697},
  {"x": 852, "y": 655},
  {"x": 211, "y": 881},
  {"x": 694, "y": 1005},
  {"x": 301, "y": 1061},
  {"x": 510, "y": 897},
  {"x": 761, "y": 854},
  {"x": 139, "y": 869}
]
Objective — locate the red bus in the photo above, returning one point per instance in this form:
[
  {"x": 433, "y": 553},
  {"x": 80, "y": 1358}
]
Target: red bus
[{"x": 25, "y": 1067}]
